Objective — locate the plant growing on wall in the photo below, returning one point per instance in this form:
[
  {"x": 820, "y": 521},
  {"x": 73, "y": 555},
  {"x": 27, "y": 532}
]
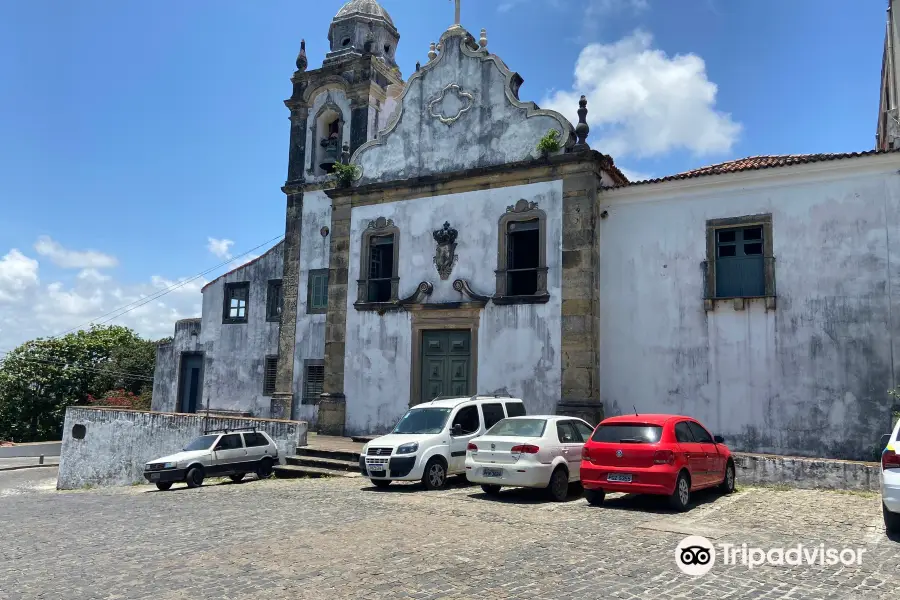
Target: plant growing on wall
[
  {"x": 345, "y": 174},
  {"x": 549, "y": 143}
]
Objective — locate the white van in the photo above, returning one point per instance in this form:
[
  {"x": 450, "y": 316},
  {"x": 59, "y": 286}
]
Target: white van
[{"x": 429, "y": 442}]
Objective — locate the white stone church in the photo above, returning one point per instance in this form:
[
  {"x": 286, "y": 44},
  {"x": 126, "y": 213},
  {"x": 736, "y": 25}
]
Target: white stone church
[{"x": 459, "y": 254}]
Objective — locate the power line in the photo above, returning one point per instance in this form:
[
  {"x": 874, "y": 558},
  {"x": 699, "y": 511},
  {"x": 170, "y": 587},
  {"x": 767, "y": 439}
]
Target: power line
[
  {"x": 69, "y": 365},
  {"x": 161, "y": 293}
]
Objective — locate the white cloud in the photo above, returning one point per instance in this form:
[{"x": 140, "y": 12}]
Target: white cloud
[
  {"x": 602, "y": 8},
  {"x": 635, "y": 175},
  {"x": 642, "y": 102},
  {"x": 18, "y": 273},
  {"x": 221, "y": 248},
  {"x": 73, "y": 259},
  {"x": 31, "y": 310},
  {"x": 508, "y": 5}
]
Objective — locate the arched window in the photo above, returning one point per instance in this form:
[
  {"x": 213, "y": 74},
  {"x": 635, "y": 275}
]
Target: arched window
[
  {"x": 378, "y": 282},
  {"x": 522, "y": 255}
]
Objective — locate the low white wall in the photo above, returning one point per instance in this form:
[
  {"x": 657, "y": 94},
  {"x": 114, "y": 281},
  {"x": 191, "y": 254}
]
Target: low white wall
[{"x": 118, "y": 443}]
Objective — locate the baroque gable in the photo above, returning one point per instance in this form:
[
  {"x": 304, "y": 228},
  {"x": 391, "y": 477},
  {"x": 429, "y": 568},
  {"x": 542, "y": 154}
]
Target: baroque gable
[{"x": 459, "y": 111}]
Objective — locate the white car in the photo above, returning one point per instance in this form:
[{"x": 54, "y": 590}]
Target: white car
[
  {"x": 535, "y": 451},
  {"x": 429, "y": 442},
  {"x": 225, "y": 452},
  {"x": 890, "y": 482}
]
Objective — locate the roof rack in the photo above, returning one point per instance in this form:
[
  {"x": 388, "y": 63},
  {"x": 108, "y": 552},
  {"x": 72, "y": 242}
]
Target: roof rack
[
  {"x": 229, "y": 430},
  {"x": 501, "y": 393}
]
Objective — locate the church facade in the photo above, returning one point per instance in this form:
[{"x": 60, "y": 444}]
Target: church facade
[{"x": 444, "y": 237}]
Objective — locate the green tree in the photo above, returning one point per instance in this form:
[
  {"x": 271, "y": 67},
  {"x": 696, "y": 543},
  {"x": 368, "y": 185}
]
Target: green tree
[{"x": 41, "y": 378}]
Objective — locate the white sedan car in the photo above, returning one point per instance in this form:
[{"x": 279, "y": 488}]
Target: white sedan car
[
  {"x": 532, "y": 451},
  {"x": 890, "y": 482}
]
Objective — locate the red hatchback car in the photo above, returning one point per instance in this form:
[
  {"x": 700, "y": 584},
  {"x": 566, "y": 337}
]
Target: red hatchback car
[{"x": 665, "y": 455}]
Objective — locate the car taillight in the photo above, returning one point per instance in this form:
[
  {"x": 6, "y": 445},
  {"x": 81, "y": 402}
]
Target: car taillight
[
  {"x": 524, "y": 449},
  {"x": 471, "y": 447},
  {"x": 890, "y": 460},
  {"x": 585, "y": 453},
  {"x": 664, "y": 457}
]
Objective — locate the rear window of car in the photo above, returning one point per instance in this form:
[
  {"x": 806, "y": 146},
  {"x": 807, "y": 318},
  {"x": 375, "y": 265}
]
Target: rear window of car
[
  {"x": 255, "y": 439},
  {"x": 515, "y": 409},
  {"x": 493, "y": 413},
  {"x": 518, "y": 428},
  {"x": 637, "y": 433}
]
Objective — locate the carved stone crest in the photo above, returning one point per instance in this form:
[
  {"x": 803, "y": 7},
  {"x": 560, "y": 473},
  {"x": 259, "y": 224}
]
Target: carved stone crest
[
  {"x": 521, "y": 206},
  {"x": 450, "y": 104},
  {"x": 381, "y": 223},
  {"x": 445, "y": 253}
]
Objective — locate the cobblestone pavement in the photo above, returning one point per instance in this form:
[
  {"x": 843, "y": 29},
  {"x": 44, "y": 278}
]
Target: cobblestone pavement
[{"x": 341, "y": 538}]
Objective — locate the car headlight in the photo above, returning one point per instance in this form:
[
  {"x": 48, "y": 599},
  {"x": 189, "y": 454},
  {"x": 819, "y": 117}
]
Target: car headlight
[
  {"x": 170, "y": 465},
  {"x": 408, "y": 448},
  {"x": 365, "y": 450}
]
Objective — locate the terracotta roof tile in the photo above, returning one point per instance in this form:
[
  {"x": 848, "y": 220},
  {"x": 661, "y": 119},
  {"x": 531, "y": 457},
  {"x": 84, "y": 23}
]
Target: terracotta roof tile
[{"x": 753, "y": 163}]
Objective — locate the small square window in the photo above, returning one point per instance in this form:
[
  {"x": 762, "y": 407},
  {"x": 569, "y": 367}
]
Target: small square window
[
  {"x": 274, "y": 300},
  {"x": 313, "y": 381},
  {"x": 740, "y": 263},
  {"x": 237, "y": 302},
  {"x": 317, "y": 291}
]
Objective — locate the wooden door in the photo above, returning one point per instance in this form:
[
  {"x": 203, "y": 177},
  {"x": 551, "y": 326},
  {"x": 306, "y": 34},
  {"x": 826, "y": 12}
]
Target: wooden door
[{"x": 446, "y": 363}]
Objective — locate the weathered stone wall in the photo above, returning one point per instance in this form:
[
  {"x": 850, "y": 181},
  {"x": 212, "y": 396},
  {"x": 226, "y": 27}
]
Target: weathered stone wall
[
  {"x": 808, "y": 376},
  {"x": 168, "y": 364},
  {"x": 118, "y": 443},
  {"x": 806, "y": 473}
]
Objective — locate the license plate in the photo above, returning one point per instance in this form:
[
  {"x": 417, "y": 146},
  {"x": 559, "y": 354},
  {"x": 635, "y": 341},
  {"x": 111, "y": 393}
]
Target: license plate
[
  {"x": 154, "y": 476},
  {"x": 376, "y": 469},
  {"x": 492, "y": 472},
  {"x": 619, "y": 477}
]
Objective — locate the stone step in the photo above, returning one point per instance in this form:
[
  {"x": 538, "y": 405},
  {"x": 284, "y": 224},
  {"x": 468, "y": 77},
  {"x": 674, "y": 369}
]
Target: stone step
[
  {"x": 294, "y": 471},
  {"x": 323, "y": 463},
  {"x": 313, "y": 452}
]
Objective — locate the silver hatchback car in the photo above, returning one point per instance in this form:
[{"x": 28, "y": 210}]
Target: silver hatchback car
[{"x": 227, "y": 452}]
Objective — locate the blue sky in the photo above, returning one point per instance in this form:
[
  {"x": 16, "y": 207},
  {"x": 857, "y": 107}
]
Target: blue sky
[{"x": 133, "y": 132}]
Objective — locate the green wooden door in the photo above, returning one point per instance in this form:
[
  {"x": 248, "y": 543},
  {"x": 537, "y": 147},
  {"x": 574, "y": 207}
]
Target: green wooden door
[{"x": 446, "y": 359}]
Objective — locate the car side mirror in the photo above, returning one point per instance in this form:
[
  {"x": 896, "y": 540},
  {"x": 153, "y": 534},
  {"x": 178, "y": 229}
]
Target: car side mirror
[
  {"x": 457, "y": 429},
  {"x": 885, "y": 440},
  {"x": 718, "y": 439}
]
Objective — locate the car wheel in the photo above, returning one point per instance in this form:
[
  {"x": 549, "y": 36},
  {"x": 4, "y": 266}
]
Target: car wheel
[
  {"x": 891, "y": 520},
  {"x": 381, "y": 483},
  {"x": 727, "y": 485},
  {"x": 163, "y": 485},
  {"x": 490, "y": 489},
  {"x": 194, "y": 477},
  {"x": 594, "y": 497},
  {"x": 264, "y": 469},
  {"x": 435, "y": 476},
  {"x": 681, "y": 497},
  {"x": 558, "y": 487},
  {"x": 236, "y": 477}
]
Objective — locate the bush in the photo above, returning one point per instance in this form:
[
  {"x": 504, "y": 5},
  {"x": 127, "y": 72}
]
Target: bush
[
  {"x": 345, "y": 174},
  {"x": 549, "y": 143}
]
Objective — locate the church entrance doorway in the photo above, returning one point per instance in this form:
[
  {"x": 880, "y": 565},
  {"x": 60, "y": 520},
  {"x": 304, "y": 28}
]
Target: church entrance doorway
[{"x": 446, "y": 363}]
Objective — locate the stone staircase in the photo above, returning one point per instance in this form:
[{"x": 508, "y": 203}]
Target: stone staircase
[{"x": 319, "y": 462}]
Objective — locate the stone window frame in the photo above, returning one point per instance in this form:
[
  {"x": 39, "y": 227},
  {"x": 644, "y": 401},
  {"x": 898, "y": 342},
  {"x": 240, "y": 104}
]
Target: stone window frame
[
  {"x": 270, "y": 374},
  {"x": 377, "y": 228},
  {"x": 523, "y": 210},
  {"x": 306, "y": 397},
  {"x": 763, "y": 220},
  {"x": 433, "y": 319},
  {"x": 227, "y": 291},
  {"x": 310, "y": 309},
  {"x": 273, "y": 311}
]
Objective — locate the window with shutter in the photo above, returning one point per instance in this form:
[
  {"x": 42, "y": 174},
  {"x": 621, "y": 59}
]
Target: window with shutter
[
  {"x": 313, "y": 381},
  {"x": 274, "y": 300},
  {"x": 739, "y": 263},
  {"x": 317, "y": 291},
  {"x": 271, "y": 372}
]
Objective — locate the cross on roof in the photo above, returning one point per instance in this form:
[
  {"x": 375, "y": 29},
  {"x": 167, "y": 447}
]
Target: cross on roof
[{"x": 456, "y": 21}]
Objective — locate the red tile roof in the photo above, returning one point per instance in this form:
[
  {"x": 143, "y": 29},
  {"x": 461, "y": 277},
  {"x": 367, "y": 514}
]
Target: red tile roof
[{"x": 753, "y": 163}]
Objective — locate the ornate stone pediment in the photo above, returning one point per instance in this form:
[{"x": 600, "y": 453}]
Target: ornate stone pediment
[
  {"x": 450, "y": 104},
  {"x": 445, "y": 254}
]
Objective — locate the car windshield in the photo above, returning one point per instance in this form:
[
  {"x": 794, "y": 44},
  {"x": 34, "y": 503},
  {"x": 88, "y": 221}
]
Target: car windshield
[
  {"x": 624, "y": 433},
  {"x": 518, "y": 428},
  {"x": 201, "y": 443},
  {"x": 423, "y": 420}
]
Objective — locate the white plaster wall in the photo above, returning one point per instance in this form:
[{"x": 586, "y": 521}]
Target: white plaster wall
[
  {"x": 168, "y": 364},
  {"x": 809, "y": 377},
  {"x": 234, "y": 361},
  {"x": 518, "y": 346},
  {"x": 314, "y": 252}
]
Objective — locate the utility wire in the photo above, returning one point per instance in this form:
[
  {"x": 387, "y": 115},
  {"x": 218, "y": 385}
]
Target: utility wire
[
  {"x": 142, "y": 301},
  {"x": 69, "y": 365}
]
